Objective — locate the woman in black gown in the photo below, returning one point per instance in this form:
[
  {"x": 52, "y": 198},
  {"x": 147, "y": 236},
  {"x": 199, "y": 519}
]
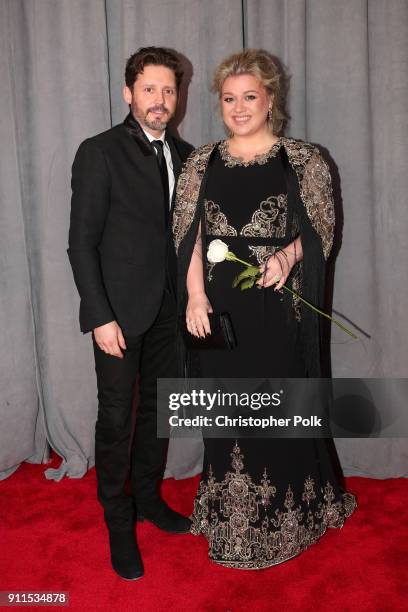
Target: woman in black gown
[{"x": 260, "y": 501}]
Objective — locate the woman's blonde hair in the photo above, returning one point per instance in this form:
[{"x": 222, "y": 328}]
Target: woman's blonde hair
[{"x": 267, "y": 69}]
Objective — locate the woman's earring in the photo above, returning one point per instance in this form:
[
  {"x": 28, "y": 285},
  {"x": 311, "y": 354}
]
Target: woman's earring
[{"x": 270, "y": 113}]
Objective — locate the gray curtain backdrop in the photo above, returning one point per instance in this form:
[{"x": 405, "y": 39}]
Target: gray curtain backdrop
[{"x": 61, "y": 75}]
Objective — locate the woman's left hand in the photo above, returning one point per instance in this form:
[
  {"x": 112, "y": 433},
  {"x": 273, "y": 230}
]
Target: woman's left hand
[{"x": 275, "y": 271}]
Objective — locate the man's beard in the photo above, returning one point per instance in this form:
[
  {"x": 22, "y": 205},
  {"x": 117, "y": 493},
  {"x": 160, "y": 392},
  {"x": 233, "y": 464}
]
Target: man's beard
[{"x": 157, "y": 124}]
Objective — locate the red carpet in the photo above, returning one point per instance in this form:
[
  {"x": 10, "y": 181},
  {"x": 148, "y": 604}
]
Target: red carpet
[{"x": 53, "y": 538}]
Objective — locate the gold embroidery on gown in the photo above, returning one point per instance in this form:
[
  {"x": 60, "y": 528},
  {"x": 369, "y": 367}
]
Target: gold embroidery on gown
[
  {"x": 268, "y": 221},
  {"x": 314, "y": 181},
  {"x": 217, "y": 222},
  {"x": 226, "y": 513},
  {"x": 231, "y": 161},
  {"x": 315, "y": 190}
]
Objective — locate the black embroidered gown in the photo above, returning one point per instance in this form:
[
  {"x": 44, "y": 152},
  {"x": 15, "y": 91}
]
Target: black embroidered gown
[{"x": 260, "y": 501}]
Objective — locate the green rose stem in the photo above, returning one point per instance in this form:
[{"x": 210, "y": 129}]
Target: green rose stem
[
  {"x": 322, "y": 313},
  {"x": 231, "y": 257}
]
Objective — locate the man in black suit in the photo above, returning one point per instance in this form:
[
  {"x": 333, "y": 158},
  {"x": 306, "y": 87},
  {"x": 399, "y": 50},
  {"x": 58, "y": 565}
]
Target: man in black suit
[{"x": 121, "y": 254}]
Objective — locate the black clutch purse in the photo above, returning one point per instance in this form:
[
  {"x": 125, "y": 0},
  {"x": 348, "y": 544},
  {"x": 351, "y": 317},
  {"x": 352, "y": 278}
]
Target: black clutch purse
[{"x": 222, "y": 333}]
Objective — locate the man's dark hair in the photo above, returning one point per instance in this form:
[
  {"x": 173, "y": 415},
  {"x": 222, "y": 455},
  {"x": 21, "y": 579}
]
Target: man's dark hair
[{"x": 156, "y": 56}]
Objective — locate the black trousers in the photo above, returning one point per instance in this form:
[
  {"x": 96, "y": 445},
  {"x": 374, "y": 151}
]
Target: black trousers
[{"x": 152, "y": 356}]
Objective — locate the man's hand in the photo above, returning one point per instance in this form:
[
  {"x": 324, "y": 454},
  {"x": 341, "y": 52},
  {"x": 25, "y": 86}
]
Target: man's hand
[{"x": 110, "y": 339}]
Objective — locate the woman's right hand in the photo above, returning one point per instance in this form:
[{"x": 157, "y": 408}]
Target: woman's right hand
[{"x": 197, "y": 311}]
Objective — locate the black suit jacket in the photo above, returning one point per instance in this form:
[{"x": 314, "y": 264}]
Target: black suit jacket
[{"x": 119, "y": 248}]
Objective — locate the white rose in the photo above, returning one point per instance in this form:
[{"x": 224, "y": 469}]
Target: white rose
[{"x": 217, "y": 251}]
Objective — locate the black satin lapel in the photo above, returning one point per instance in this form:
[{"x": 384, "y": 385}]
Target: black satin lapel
[
  {"x": 138, "y": 135},
  {"x": 177, "y": 165},
  {"x": 175, "y": 156}
]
